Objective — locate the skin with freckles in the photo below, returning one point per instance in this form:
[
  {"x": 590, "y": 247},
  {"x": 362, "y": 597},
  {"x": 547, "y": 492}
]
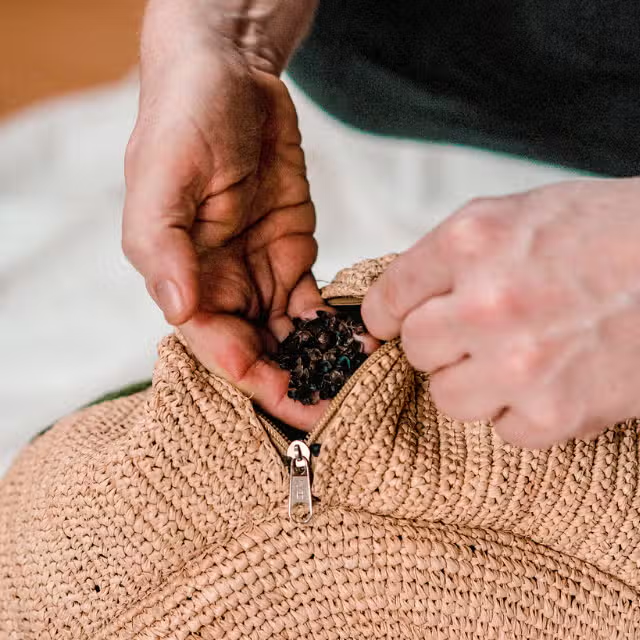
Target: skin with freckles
[{"x": 526, "y": 310}]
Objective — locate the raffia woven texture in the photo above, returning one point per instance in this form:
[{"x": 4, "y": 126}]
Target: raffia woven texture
[
  {"x": 355, "y": 281},
  {"x": 163, "y": 515}
]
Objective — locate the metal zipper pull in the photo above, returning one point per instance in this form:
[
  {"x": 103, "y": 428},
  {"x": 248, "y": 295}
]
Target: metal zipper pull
[{"x": 300, "y": 481}]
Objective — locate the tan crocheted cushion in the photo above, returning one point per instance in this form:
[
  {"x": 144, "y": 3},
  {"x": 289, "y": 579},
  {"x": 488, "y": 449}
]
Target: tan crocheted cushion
[
  {"x": 164, "y": 515},
  {"x": 353, "y": 282}
]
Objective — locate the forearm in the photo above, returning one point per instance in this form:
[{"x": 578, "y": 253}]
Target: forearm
[{"x": 267, "y": 32}]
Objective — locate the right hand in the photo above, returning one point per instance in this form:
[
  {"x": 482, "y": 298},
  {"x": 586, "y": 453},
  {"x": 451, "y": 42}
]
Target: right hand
[{"x": 218, "y": 217}]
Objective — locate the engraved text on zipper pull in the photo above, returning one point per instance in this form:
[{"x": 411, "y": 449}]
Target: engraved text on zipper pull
[{"x": 300, "y": 482}]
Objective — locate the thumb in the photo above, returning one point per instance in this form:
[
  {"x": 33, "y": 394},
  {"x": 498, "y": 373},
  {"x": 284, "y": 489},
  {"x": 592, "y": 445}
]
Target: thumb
[
  {"x": 167, "y": 260},
  {"x": 158, "y": 215}
]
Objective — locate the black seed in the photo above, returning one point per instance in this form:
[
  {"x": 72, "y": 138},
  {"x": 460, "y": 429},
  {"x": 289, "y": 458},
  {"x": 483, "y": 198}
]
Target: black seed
[
  {"x": 321, "y": 354},
  {"x": 326, "y": 340},
  {"x": 324, "y": 366},
  {"x": 330, "y": 357}
]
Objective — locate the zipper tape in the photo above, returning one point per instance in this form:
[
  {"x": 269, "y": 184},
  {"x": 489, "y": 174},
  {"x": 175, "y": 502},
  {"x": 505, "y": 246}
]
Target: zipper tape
[{"x": 299, "y": 452}]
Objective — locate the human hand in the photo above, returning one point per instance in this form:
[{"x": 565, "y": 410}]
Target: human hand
[
  {"x": 526, "y": 310},
  {"x": 218, "y": 215}
]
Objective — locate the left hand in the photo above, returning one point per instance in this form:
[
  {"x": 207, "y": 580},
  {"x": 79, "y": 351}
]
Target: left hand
[
  {"x": 255, "y": 282},
  {"x": 218, "y": 216},
  {"x": 526, "y": 310}
]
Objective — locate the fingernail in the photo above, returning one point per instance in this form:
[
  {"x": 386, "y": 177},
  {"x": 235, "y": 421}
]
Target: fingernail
[
  {"x": 169, "y": 298},
  {"x": 312, "y": 314},
  {"x": 369, "y": 343}
]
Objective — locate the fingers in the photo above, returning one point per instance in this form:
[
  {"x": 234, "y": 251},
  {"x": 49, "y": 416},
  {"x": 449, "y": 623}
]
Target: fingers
[
  {"x": 190, "y": 172},
  {"x": 548, "y": 413},
  {"x": 369, "y": 343},
  {"x": 161, "y": 232},
  {"x": 465, "y": 391},
  {"x": 164, "y": 255},
  {"x": 412, "y": 278},
  {"x": 282, "y": 119},
  {"x": 305, "y": 301},
  {"x": 432, "y": 335},
  {"x": 519, "y": 430},
  {"x": 237, "y": 350},
  {"x": 427, "y": 270},
  {"x": 222, "y": 215},
  {"x": 233, "y": 349},
  {"x": 158, "y": 214}
]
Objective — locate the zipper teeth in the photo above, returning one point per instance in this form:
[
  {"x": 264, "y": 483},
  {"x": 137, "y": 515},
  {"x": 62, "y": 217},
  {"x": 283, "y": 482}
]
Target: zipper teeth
[
  {"x": 282, "y": 442},
  {"x": 351, "y": 382},
  {"x": 345, "y": 301},
  {"x": 279, "y": 439}
]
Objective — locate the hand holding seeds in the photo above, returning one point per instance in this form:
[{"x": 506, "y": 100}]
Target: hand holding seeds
[
  {"x": 218, "y": 216},
  {"x": 526, "y": 310},
  {"x": 216, "y": 146}
]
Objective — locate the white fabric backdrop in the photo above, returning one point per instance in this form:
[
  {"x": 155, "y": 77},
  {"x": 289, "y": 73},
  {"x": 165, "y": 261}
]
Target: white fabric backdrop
[{"x": 75, "y": 319}]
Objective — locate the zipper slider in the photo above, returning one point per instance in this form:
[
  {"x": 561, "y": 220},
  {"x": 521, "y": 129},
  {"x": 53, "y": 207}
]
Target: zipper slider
[{"x": 300, "y": 481}]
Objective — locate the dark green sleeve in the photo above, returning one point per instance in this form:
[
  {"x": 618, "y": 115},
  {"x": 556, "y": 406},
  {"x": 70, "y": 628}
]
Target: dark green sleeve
[{"x": 557, "y": 82}]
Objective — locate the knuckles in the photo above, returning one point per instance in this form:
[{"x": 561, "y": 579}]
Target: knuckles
[
  {"x": 524, "y": 363},
  {"x": 551, "y": 416},
  {"x": 391, "y": 286},
  {"x": 447, "y": 401},
  {"x": 475, "y": 230},
  {"x": 382, "y": 308},
  {"x": 547, "y": 419},
  {"x": 419, "y": 335},
  {"x": 416, "y": 350},
  {"x": 494, "y": 303}
]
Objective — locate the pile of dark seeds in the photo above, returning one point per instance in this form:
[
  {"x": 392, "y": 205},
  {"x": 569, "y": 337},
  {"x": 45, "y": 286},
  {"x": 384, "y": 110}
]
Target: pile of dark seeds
[{"x": 321, "y": 355}]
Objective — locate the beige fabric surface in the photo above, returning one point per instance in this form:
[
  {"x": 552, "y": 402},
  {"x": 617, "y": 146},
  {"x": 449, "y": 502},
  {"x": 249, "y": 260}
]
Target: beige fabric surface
[{"x": 164, "y": 515}]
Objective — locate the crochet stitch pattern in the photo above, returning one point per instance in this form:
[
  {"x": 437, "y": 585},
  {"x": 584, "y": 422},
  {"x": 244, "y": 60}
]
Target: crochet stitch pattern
[{"x": 164, "y": 515}]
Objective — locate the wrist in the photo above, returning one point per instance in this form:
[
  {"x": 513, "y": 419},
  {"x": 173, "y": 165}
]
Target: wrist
[{"x": 265, "y": 32}]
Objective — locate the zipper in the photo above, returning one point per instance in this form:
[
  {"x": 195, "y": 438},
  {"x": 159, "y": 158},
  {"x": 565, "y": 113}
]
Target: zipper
[
  {"x": 300, "y": 482},
  {"x": 299, "y": 451},
  {"x": 345, "y": 301}
]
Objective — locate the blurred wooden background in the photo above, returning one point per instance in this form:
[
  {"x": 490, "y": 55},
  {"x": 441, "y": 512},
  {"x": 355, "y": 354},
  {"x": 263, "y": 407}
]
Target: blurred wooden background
[{"x": 50, "y": 47}]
